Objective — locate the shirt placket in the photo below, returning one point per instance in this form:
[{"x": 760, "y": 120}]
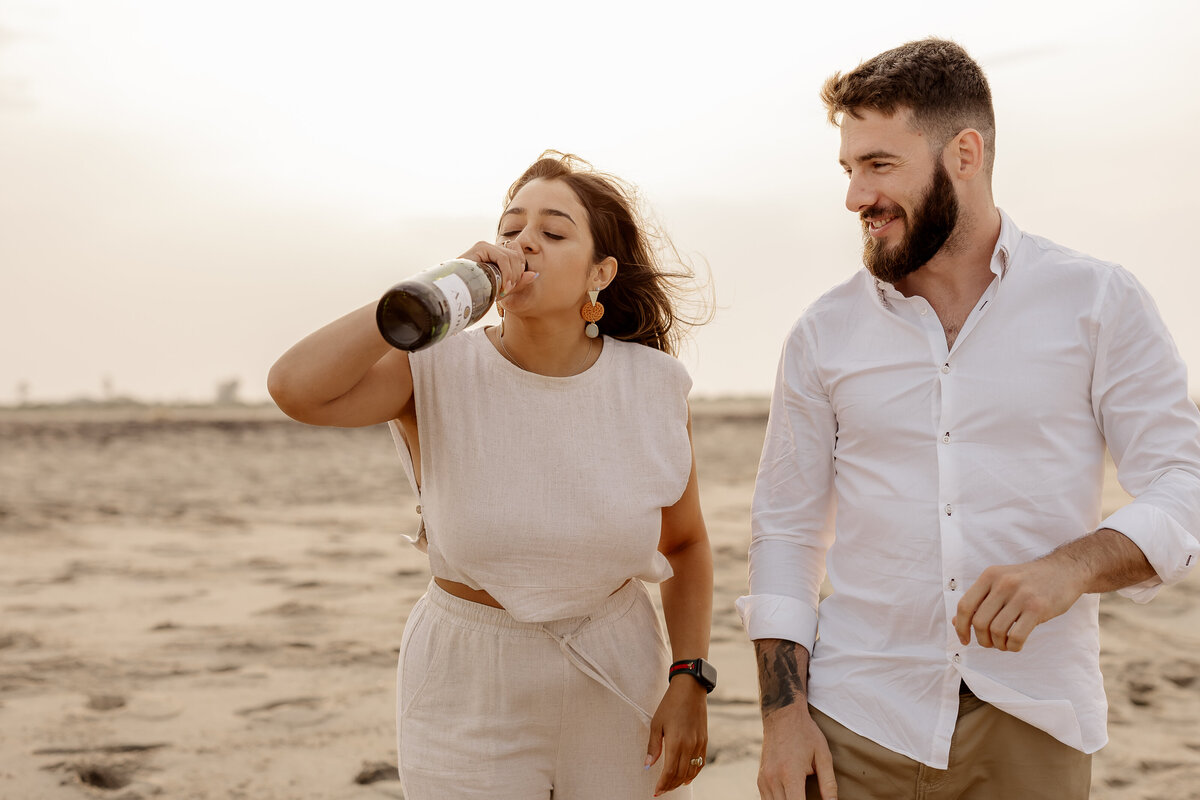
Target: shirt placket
[
  {"x": 949, "y": 515},
  {"x": 945, "y": 420},
  {"x": 950, "y": 508}
]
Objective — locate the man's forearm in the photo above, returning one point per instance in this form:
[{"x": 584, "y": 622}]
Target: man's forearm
[
  {"x": 1104, "y": 561},
  {"x": 782, "y": 674}
]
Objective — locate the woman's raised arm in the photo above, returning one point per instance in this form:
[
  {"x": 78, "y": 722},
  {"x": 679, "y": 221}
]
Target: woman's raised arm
[{"x": 344, "y": 374}]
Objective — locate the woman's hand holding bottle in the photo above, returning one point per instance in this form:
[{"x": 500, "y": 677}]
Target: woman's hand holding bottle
[
  {"x": 424, "y": 309},
  {"x": 508, "y": 257}
]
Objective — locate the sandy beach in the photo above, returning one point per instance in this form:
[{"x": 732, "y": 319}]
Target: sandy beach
[{"x": 206, "y": 603}]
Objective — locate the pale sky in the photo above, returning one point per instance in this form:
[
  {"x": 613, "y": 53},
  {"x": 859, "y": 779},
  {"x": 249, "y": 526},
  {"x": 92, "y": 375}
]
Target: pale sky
[{"x": 187, "y": 188}]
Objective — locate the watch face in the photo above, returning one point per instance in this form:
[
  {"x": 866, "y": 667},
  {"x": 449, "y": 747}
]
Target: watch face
[
  {"x": 704, "y": 672},
  {"x": 707, "y": 671}
]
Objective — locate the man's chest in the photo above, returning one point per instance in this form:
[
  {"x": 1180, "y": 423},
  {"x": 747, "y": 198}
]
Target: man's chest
[{"x": 1011, "y": 378}]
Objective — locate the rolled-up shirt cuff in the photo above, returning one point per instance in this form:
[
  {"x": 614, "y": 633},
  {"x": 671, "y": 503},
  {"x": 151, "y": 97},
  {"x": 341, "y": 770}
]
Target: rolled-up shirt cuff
[
  {"x": 1170, "y": 549},
  {"x": 777, "y": 616}
]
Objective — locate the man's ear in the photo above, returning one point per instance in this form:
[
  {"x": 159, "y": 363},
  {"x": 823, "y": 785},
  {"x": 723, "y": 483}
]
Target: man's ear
[
  {"x": 965, "y": 154},
  {"x": 604, "y": 272}
]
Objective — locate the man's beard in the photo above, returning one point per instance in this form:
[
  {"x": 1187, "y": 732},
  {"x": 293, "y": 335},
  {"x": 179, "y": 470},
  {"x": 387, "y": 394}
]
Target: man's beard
[{"x": 926, "y": 231}]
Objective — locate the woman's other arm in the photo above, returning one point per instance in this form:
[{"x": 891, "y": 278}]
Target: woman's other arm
[{"x": 679, "y": 730}]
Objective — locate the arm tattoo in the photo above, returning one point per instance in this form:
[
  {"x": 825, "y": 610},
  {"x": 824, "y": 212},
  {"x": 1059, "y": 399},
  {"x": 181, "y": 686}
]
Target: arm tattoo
[{"x": 781, "y": 679}]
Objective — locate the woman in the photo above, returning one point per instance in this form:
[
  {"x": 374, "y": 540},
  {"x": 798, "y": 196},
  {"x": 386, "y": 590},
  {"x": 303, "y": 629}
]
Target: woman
[{"x": 556, "y": 474}]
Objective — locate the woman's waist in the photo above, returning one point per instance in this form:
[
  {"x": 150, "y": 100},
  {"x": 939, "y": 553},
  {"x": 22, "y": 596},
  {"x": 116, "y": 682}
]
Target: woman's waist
[
  {"x": 532, "y": 607},
  {"x": 538, "y": 587},
  {"x": 483, "y": 597}
]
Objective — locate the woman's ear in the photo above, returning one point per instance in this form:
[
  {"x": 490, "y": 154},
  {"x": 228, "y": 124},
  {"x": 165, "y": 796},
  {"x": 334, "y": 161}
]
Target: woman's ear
[{"x": 604, "y": 272}]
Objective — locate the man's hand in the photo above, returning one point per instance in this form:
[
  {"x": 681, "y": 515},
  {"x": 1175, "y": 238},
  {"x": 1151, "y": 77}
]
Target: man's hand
[
  {"x": 793, "y": 746},
  {"x": 1008, "y": 602}
]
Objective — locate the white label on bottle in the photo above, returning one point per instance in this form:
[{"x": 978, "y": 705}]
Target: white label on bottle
[{"x": 458, "y": 297}]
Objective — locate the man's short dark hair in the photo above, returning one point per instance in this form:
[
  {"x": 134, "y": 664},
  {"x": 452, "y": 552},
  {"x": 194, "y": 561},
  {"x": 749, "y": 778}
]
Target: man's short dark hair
[{"x": 944, "y": 88}]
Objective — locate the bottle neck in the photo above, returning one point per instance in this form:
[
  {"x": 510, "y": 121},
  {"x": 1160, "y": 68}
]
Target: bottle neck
[{"x": 493, "y": 273}]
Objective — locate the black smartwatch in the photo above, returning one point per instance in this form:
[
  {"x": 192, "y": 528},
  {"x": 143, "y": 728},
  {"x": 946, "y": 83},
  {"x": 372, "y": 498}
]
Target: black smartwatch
[{"x": 704, "y": 672}]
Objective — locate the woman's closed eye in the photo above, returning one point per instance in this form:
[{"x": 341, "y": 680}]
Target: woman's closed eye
[{"x": 513, "y": 234}]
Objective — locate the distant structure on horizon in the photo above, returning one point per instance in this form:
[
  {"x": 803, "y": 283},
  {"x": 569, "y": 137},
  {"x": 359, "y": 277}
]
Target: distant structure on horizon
[{"x": 227, "y": 393}]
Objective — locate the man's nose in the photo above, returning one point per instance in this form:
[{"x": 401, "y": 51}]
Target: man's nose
[{"x": 859, "y": 195}]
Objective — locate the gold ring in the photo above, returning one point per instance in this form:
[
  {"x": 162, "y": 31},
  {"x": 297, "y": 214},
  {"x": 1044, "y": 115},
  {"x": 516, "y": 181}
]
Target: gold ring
[{"x": 698, "y": 761}]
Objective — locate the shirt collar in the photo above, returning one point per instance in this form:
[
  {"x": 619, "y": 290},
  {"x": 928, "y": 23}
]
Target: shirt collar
[{"x": 1006, "y": 244}]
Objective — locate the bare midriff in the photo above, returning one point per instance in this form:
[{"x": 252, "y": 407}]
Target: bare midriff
[{"x": 464, "y": 592}]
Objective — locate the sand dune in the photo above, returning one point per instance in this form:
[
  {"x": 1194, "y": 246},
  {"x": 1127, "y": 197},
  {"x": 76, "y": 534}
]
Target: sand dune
[{"x": 206, "y": 603}]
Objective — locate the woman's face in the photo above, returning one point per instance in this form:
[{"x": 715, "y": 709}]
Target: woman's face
[{"x": 546, "y": 222}]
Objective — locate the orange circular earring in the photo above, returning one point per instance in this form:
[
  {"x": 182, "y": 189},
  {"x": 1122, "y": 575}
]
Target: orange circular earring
[{"x": 592, "y": 312}]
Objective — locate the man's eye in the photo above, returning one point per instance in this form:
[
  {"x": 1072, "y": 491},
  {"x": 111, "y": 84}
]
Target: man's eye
[{"x": 881, "y": 165}]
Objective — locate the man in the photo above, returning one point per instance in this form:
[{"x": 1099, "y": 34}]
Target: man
[{"x": 936, "y": 441}]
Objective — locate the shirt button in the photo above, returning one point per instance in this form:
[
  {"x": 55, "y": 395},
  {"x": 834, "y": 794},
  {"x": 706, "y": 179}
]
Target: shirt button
[
  {"x": 957, "y": 659},
  {"x": 949, "y": 509},
  {"x": 946, "y": 437},
  {"x": 924, "y": 312},
  {"x": 953, "y": 584},
  {"x": 945, "y": 368}
]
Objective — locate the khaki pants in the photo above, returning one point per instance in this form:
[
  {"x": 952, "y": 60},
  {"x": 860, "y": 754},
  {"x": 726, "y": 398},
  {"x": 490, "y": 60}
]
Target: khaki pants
[
  {"x": 494, "y": 708},
  {"x": 993, "y": 756}
]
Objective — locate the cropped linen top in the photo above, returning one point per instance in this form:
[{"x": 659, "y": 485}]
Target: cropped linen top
[{"x": 547, "y": 492}]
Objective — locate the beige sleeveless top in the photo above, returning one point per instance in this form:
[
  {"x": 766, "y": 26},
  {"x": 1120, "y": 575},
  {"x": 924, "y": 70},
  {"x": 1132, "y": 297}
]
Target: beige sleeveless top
[{"x": 547, "y": 492}]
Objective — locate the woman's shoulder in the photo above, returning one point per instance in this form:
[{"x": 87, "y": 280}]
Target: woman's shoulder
[
  {"x": 642, "y": 353},
  {"x": 649, "y": 363}
]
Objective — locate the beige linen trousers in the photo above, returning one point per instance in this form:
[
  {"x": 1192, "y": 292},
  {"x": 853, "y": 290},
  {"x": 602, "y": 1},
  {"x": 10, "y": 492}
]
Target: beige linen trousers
[{"x": 493, "y": 708}]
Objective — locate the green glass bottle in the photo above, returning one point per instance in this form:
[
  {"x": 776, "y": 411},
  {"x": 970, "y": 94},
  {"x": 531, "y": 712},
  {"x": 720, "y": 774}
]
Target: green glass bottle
[{"x": 431, "y": 305}]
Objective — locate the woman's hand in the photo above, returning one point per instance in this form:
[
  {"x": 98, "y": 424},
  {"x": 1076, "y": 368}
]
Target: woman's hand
[
  {"x": 679, "y": 733},
  {"x": 513, "y": 273}
]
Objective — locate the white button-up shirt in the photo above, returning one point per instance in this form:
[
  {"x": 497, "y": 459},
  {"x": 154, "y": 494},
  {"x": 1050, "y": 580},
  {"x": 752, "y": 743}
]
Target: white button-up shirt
[{"x": 906, "y": 469}]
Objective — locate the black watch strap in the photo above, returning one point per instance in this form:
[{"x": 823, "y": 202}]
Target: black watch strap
[{"x": 704, "y": 672}]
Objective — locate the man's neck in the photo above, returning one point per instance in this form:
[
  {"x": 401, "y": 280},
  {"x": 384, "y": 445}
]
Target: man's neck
[
  {"x": 963, "y": 267},
  {"x": 953, "y": 281}
]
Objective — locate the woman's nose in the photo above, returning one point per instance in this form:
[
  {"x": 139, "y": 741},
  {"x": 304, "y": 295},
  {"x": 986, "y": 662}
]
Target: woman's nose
[{"x": 524, "y": 241}]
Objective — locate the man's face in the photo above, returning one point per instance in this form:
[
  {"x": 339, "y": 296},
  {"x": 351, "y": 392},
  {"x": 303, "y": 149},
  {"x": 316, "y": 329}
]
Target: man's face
[{"x": 901, "y": 192}]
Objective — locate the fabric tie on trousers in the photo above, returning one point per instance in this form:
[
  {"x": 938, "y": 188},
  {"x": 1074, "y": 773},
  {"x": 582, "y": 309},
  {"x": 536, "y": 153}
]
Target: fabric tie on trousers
[{"x": 589, "y": 667}]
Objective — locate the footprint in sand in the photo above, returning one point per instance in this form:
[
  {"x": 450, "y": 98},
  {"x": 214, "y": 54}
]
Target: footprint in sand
[
  {"x": 108, "y": 767},
  {"x": 105, "y": 702},
  {"x": 376, "y": 771},
  {"x": 290, "y": 712},
  {"x": 144, "y": 705},
  {"x": 293, "y": 609},
  {"x": 104, "y": 775}
]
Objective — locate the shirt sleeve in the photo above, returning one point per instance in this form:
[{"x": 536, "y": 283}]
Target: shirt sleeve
[
  {"x": 1152, "y": 428},
  {"x": 793, "y": 507}
]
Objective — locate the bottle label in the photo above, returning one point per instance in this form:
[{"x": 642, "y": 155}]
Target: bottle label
[{"x": 458, "y": 298}]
